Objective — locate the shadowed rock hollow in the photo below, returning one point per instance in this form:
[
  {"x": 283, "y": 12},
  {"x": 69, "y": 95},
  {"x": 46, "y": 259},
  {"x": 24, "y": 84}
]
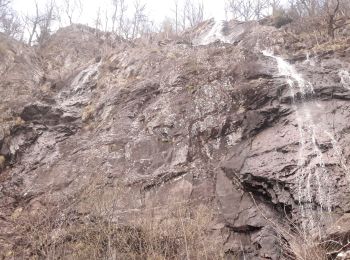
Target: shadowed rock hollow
[{"x": 214, "y": 123}]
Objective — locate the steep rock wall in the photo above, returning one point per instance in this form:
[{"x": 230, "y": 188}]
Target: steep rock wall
[{"x": 214, "y": 124}]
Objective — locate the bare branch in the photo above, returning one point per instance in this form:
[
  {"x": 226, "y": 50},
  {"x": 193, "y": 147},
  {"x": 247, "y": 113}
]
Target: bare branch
[
  {"x": 249, "y": 9},
  {"x": 72, "y": 8},
  {"x": 194, "y": 12}
]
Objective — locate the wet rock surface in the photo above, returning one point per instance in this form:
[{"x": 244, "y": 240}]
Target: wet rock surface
[{"x": 215, "y": 124}]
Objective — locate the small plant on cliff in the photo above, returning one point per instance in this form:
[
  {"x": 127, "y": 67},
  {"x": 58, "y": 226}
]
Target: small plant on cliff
[
  {"x": 281, "y": 18},
  {"x": 2, "y": 162},
  {"x": 88, "y": 113}
]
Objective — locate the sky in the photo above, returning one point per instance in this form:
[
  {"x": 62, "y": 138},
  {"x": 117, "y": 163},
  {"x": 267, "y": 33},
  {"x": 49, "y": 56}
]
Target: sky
[{"x": 156, "y": 9}]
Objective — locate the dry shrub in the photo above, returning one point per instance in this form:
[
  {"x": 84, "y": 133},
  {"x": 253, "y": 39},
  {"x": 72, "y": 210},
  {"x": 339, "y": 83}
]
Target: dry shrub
[
  {"x": 88, "y": 113},
  {"x": 193, "y": 65},
  {"x": 4, "y": 49},
  {"x": 340, "y": 44},
  {"x": 2, "y": 162},
  {"x": 61, "y": 233},
  {"x": 183, "y": 234},
  {"x": 300, "y": 244},
  {"x": 301, "y": 247}
]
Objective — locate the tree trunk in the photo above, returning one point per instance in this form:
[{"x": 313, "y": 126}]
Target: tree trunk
[
  {"x": 32, "y": 34},
  {"x": 331, "y": 26}
]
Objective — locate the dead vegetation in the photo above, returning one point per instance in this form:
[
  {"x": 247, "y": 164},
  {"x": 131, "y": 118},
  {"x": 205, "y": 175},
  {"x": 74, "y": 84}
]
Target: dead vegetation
[
  {"x": 301, "y": 242},
  {"x": 2, "y": 162},
  {"x": 102, "y": 232},
  {"x": 298, "y": 244}
]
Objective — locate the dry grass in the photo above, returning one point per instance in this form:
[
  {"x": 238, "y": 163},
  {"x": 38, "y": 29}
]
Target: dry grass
[
  {"x": 299, "y": 246},
  {"x": 4, "y": 49},
  {"x": 88, "y": 113},
  {"x": 180, "y": 233},
  {"x": 334, "y": 45},
  {"x": 2, "y": 162},
  {"x": 299, "y": 243},
  {"x": 19, "y": 121}
]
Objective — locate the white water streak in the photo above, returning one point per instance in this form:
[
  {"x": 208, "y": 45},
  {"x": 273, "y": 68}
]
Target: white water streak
[
  {"x": 312, "y": 169},
  {"x": 79, "y": 93},
  {"x": 344, "y": 78},
  {"x": 215, "y": 34},
  {"x": 309, "y": 60},
  {"x": 339, "y": 154},
  {"x": 84, "y": 76}
]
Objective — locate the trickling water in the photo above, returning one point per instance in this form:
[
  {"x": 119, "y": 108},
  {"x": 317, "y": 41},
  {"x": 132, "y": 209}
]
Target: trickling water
[
  {"x": 294, "y": 79},
  {"x": 345, "y": 78},
  {"x": 307, "y": 57},
  {"x": 338, "y": 154},
  {"x": 215, "y": 33},
  {"x": 79, "y": 93},
  {"x": 313, "y": 177},
  {"x": 84, "y": 76},
  {"x": 309, "y": 60}
]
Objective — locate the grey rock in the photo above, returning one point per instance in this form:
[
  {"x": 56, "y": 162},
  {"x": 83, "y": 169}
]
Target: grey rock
[{"x": 220, "y": 128}]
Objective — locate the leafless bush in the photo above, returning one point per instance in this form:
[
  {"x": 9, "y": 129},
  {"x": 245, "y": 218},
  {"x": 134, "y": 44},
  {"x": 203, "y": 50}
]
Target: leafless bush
[
  {"x": 324, "y": 17},
  {"x": 39, "y": 25},
  {"x": 299, "y": 245},
  {"x": 72, "y": 8},
  {"x": 298, "y": 242},
  {"x": 10, "y": 23},
  {"x": 248, "y": 9},
  {"x": 179, "y": 232}
]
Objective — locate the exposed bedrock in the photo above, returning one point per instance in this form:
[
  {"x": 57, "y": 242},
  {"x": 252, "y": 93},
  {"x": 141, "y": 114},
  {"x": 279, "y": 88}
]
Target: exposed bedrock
[{"x": 216, "y": 124}]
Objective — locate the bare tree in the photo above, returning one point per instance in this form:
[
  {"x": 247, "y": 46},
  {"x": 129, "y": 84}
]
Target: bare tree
[
  {"x": 335, "y": 15},
  {"x": 49, "y": 15},
  {"x": 297, "y": 9},
  {"x": 120, "y": 22},
  {"x": 240, "y": 9},
  {"x": 4, "y": 7},
  {"x": 72, "y": 8},
  {"x": 124, "y": 23},
  {"x": 319, "y": 15},
  {"x": 115, "y": 13},
  {"x": 248, "y": 9},
  {"x": 106, "y": 21},
  {"x": 98, "y": 20},
  {"x": 261, "y": 8},
  {"x": 10, "y": 23},
  {"x": 312, "y": 6},
  {"x": 176, "y": 14},
  {"x": 194, "y": 12},
  {"x": 4, "y": 4},
  {"x": 275, "y": 5},
  {"x": 139, "y": 18},
  {"x": 183, "y": 18},
  {"x": 32, "y": 23},
  {"x": 39, "y": 25},
  {"x": 167, "y": 28}
]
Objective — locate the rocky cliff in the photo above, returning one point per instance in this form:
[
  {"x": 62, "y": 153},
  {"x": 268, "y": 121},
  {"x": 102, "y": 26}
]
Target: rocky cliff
[{"x": 249, "y": 120}]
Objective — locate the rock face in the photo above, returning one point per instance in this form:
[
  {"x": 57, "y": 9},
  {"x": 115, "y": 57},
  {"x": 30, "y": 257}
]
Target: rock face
[{"x": 218, "y": 123}]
